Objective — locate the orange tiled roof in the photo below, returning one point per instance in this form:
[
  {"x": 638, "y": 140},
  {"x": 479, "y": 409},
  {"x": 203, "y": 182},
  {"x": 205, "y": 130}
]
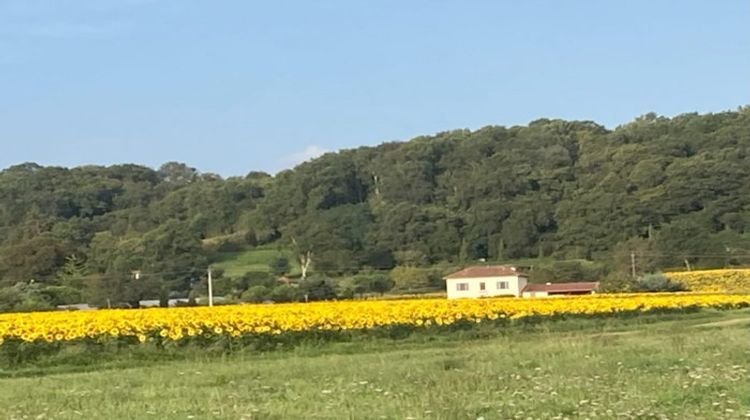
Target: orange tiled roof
[{"x": 485, "y": 271}]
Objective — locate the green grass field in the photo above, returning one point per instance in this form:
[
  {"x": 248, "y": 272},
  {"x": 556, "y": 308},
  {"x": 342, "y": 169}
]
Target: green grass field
[
  {"x": 235, "y": 264},
  {"x": 677, "y": 366}
]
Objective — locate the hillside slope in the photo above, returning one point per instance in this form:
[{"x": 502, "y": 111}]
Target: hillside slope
[{"x": 671, "y": 190}]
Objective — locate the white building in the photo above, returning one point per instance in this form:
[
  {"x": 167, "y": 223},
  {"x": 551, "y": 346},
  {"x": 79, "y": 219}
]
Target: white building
[
  {"x": 501, "y": 280},
  {"x": 485, "y": 281}
]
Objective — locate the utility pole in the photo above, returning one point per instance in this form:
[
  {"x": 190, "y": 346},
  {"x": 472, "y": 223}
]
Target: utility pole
[
  {"x": 210, "y": 289},
  {"x": 632, "y": 264}
]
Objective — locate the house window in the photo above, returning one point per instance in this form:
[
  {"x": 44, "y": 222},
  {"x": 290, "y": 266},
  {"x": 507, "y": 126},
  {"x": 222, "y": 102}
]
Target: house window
[
  {"x": 462, "y": 287},
  {"x": 502, "y": 285},
  {"x": 481, "y": 286}
]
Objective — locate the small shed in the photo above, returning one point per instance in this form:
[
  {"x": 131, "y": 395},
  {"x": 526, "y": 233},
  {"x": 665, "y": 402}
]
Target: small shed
[{"x": 556, "y": 289}]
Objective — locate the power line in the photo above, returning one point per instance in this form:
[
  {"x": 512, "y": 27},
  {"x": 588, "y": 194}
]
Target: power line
[
  {"x": 353, "y": 269},
  {"x": 664, "y": 254}
]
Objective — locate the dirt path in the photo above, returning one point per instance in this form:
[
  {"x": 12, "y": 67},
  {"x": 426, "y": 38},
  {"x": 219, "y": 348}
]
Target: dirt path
[
  {"x": 712, "y": 324},
  {"x": 724, "y": 323}
]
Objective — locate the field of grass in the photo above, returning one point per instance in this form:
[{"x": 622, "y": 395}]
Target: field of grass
[
  {"x": 235, "y": 264},
  {"x": 688, "y": 365}
]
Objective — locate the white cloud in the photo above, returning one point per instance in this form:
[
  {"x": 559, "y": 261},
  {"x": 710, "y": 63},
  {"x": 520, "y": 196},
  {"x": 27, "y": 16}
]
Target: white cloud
[{"x": 309, "y": 153}]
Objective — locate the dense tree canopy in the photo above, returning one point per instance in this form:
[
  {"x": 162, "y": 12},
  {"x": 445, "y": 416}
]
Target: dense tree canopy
[{"x": 676, "y": 191}]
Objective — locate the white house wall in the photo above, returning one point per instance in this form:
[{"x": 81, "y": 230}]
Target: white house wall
[{"x": 515, "y": 287}]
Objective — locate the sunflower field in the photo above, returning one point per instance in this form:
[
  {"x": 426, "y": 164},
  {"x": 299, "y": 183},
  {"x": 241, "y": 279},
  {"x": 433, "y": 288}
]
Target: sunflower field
[
  {"x": 714, "y": 281},
  {"x": 237, "y": 322}
]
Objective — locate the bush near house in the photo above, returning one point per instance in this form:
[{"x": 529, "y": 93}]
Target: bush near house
[{"x": 657, "y": 282}]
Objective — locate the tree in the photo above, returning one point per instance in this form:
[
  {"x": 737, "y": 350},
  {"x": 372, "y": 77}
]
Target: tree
[
  {"x": 279, "y": 265},
  {"x": 73, "y": 273},
  {"x": 177, "y": 173},
  {"x": 637, "y": 251},
  {"x": 332, "y": 238},
  {"x": 169, "y": 259},
  {"x": 409, "y": 278},
  {"x": 175, "y": 258},
  {"x": 305, "y": 255},
  {"x": 38, "y": 258}
]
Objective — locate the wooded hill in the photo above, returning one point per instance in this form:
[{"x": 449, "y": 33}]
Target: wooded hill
[{"x": 674, "y": 191}]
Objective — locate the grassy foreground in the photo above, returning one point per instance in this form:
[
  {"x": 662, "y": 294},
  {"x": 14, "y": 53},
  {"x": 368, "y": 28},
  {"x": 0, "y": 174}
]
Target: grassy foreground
[{"x": 654, "y": 366}]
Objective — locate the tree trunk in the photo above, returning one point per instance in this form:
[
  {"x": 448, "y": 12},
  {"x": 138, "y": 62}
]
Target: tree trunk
[
  {"x": 376, "y": 184},
  {"x": 304, "y": 261},
  {"x": 304, "y": 257}
]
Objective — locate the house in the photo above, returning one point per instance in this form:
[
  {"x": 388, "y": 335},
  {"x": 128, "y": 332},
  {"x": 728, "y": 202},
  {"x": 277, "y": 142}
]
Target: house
[
  {"x": 485, "y": 281},
  {"x": 555, "y": 289},
  {"x": 155, "y": 303},
  {"x": 76, "y": 307},
  {"x": 501, "y": 280}
]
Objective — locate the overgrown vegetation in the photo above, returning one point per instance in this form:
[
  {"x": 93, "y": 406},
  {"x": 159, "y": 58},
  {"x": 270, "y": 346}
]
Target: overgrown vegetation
[{"x": 672, "y": 192}]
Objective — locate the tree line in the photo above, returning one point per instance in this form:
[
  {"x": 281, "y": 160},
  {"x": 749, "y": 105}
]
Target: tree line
[{"x": 673, "y": 191}]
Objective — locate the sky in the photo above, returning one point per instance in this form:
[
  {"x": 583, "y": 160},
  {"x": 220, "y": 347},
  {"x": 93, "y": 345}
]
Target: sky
[{"x": 231, "y": 87}]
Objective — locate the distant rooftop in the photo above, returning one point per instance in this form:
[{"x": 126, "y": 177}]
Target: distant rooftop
[
  {"x": 562, "y": 287},
  {"x": 485, "y": 271}
]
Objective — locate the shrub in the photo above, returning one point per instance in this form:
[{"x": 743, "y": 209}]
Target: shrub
[
  {"x": 10, "y": 297},
  {"x": 252, "y": 279},
  {"x": 372, "y": 282},
  {"x": 33, "y": 304},
  {"x": 61, "y": 295},
  {"x": 283, "y": 293},
  {"x": 24, "y": 297},
  {"x": 317, "y": 288},
  {"x": 256, "y": 294},
  {"x": 657, "y": 283},
  {"x": 616, "y": 282}
]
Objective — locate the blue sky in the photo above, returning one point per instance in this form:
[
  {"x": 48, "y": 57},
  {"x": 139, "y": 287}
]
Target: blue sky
[{"x": 235, "y": 86}]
